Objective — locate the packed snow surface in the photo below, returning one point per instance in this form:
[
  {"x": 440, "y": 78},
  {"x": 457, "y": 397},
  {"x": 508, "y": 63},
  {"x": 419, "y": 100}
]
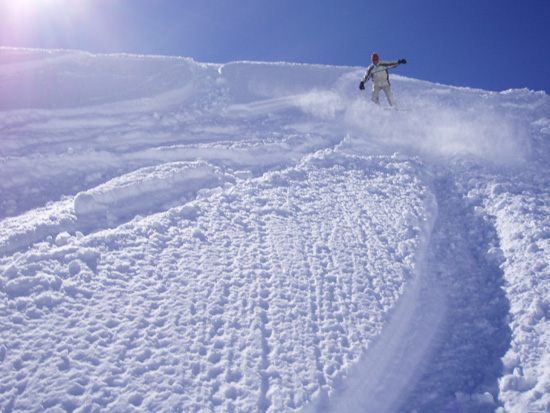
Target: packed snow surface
[{"x": 178, "y": 236}]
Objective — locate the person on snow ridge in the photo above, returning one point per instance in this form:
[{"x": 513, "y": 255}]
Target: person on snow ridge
[{"x": 378, "y": 71}]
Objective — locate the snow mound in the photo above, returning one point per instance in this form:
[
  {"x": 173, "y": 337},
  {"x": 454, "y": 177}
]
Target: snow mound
[{"x": 146, "y": 190}]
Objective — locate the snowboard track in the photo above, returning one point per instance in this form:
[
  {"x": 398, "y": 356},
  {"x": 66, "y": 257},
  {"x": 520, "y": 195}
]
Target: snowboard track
[
  {"x": 442, "y": 348},
  {"x": 474, "y": 334}
]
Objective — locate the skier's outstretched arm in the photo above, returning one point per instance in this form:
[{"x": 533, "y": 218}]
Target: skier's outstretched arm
[{"x": 391, "y": 65}]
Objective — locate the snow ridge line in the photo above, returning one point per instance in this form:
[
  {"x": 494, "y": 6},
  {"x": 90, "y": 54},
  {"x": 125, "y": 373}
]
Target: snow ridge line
[
  {"x": 383, "y": 376},
  {"x": 463, "y": 366},
  {"x": 442, "y": 345},
  {"x": 147, "y": 190}
]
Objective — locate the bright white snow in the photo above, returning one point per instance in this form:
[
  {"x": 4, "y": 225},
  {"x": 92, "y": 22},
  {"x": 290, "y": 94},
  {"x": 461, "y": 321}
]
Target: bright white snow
[{"x": 178, "y": 236}]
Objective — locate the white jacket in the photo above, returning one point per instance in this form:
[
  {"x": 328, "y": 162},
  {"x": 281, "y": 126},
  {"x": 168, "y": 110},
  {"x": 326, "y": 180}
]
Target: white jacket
[{"x": 379, "y": 74}]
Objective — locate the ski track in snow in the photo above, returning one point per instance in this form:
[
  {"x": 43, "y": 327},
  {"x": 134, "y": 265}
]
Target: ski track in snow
[{"x": 258, "y": 237}]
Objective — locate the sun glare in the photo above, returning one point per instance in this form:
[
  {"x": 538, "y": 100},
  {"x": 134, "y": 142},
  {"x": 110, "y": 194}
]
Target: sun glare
[
  {"x": 53, "y": 23},
  {"x": 29, "y": 6},
  {"x": 30, "y": 12}
]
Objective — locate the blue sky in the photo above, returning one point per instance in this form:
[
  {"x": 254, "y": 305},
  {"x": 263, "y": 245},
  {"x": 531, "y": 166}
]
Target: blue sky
[{"x": 488, "y": 44}]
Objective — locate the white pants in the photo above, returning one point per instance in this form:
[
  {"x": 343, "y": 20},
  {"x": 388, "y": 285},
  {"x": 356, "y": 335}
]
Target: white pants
[{"x": 387, "y": 91}]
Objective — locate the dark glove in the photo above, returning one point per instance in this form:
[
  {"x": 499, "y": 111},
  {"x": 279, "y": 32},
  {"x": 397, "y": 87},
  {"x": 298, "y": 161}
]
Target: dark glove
[
  {"x": 401, "y": 61},
  {"x": 362, "y": 85}
]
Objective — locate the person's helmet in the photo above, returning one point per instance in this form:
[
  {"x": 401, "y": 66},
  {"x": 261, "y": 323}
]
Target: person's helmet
[{"x": 374, "y": 57}]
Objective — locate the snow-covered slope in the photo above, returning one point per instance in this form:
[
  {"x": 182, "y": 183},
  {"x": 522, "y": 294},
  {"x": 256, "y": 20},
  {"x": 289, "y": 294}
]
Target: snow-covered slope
[{"x": 178, "y": 236}]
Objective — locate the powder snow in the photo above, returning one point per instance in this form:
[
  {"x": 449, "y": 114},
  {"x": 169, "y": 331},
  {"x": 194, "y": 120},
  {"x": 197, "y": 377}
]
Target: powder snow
[{"x": 181, "y": 236}]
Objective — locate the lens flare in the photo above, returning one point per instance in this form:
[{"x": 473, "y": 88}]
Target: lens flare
[{"x": 57, "y": 24}]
